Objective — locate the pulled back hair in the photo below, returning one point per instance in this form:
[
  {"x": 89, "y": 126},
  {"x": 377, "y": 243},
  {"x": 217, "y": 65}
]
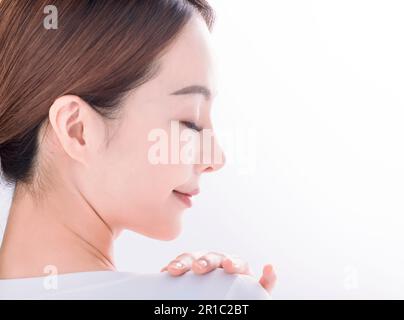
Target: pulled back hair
[{"x": 100, "y": 50}]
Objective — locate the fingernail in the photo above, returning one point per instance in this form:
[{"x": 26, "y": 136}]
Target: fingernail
[
  {"x": 236, "y": 265},
  {"x": 177, "y": 265},
  {"x": 202, "y": 263},
  {"x": 268, "y": 269}
]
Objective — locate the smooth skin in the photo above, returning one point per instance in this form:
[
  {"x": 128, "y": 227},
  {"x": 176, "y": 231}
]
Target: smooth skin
[{"x": 96, "y": 178}]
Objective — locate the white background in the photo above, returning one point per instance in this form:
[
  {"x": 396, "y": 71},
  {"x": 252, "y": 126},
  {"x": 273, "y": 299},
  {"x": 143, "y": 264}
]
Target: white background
[{"x": 318, "y": 189}]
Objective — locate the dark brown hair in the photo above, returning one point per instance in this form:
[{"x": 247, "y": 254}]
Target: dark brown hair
[{"x": 100, "y": 50}]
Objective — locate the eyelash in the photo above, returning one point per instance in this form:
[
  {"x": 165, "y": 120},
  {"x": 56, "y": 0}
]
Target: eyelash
[{"x": 192, "y": 125}]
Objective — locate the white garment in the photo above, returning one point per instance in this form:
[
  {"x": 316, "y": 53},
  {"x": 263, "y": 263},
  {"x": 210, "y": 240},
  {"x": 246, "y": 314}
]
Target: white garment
[{"x": 215, "y": 285}]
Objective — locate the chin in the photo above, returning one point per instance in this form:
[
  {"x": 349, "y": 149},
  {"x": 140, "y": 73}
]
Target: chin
[
  {"x": 170, "y": 233},
  {"x": 169, "y": 236},
  {"x": 165, "y": 233}
]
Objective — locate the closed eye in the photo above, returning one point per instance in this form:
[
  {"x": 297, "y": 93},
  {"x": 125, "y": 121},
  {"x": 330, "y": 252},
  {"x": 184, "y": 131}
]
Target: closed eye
[{"x": 192, "y": 125}]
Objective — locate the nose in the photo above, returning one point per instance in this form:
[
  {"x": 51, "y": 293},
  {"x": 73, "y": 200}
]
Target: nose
[{"x": 212, "y": 157}]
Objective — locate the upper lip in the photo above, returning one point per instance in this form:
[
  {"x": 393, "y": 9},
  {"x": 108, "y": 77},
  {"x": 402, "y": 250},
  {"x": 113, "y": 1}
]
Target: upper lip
[{"x": 191, "y": 193}]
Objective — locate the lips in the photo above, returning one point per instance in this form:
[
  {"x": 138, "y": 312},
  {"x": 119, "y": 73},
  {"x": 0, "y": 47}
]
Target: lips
[
  {"x": 185, "y": 197},
  {"x": 191, "y": 193}
]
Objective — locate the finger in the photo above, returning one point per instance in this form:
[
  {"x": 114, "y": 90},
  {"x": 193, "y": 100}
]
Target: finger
[
  {"x": 181, "y": 264},
  {"x": 234, "y": 264},
  {"x": 268, "y": 278},
  {"x": 184, "y": 255},
  {"x": 208, "y": 262}
]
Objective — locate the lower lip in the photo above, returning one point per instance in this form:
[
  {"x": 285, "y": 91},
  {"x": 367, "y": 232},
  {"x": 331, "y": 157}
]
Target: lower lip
[{"x": 184, "y": 198}]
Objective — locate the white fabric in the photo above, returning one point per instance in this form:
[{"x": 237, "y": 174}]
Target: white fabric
[{"x": 126, "y": 285}]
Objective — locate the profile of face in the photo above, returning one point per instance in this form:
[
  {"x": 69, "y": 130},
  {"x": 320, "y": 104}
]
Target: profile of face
[{"x": 118, "y": 178}]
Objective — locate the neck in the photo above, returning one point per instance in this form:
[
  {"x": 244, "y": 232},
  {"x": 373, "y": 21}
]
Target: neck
[{"x": 62, "y": 232}]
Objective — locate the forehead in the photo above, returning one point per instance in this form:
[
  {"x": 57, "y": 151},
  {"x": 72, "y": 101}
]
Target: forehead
[{"x": 188, "y": 60}]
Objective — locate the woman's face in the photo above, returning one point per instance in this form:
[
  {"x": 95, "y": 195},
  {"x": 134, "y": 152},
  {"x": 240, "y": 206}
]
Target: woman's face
[{"x": 123, "y": 182}]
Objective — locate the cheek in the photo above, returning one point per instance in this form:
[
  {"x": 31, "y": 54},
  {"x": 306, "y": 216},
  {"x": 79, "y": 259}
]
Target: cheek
[
  {"x": 136, "y": 194},
  {"x": 142, "y": 201}
]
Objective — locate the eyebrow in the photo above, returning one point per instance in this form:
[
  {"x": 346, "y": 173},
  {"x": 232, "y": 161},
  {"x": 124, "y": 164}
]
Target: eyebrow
[{"x": 194, "y": 89}]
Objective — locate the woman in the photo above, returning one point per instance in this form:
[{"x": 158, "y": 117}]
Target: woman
[{"x": 86, "y": 88}]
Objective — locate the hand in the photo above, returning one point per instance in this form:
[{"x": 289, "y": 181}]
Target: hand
[{"x": 201, "y": 263}]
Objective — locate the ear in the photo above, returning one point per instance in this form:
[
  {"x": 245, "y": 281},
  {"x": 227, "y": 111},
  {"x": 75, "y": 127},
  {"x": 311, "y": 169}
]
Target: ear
[{"x": 79, "y": 129}]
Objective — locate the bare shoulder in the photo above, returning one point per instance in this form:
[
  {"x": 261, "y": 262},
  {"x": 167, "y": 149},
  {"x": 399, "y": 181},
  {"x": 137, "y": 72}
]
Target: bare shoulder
[
  {"x": 246, "y": 287},
  {"x": 218, "y": 284}
]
